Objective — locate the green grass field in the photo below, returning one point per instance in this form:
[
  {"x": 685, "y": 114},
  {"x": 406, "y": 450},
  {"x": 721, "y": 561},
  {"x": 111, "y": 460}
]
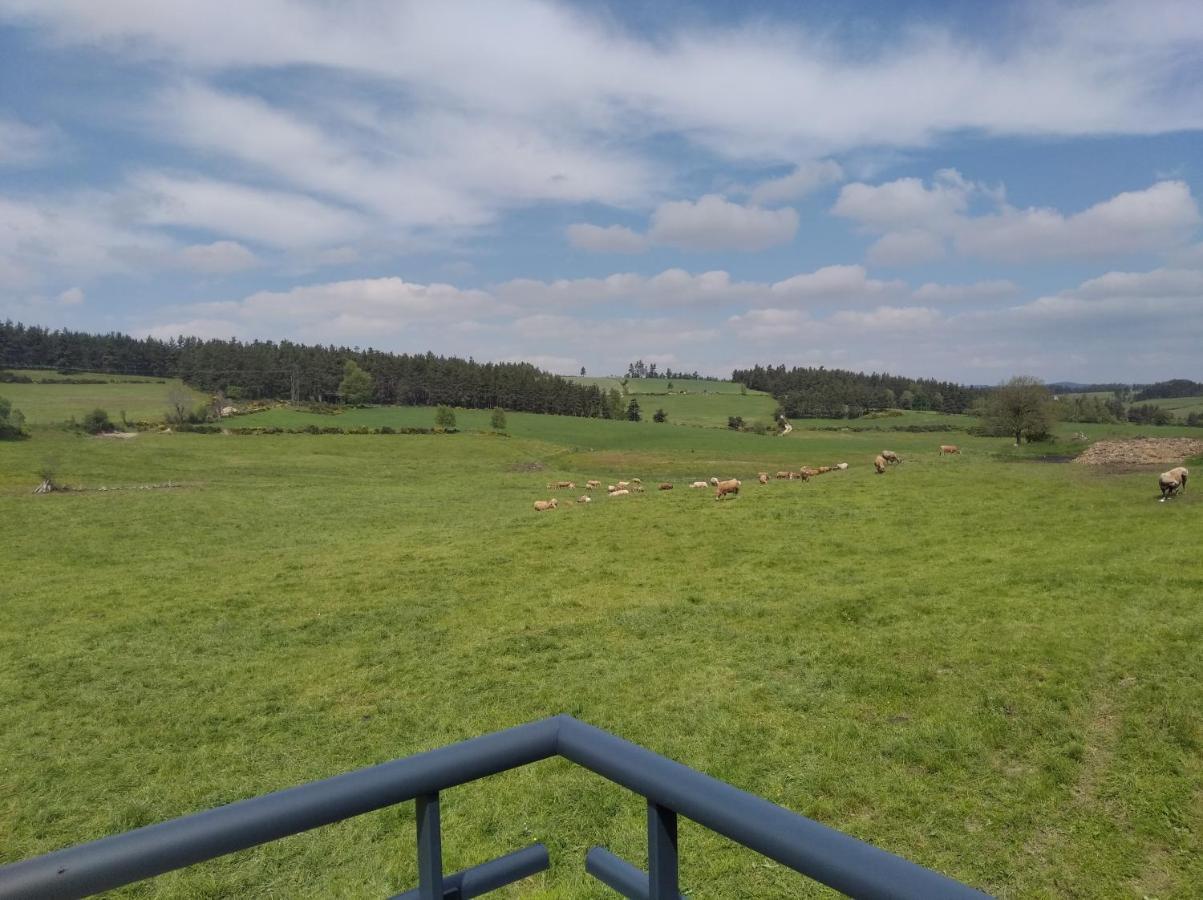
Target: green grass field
[
  {"x": 693, "y": 401},
  {"x": 987, "y": 665},
  {"x": 1180, "y": 406},
  {"x": 142, "y": 399}
]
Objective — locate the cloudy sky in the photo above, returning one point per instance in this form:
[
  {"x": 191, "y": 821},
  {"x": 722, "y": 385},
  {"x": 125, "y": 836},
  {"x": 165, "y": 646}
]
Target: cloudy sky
[{"x": 955, "y": 190}]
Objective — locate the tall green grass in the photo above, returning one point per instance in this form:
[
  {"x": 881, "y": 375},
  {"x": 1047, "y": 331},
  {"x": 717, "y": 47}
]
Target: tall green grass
[{"x": 990, "y": 669}]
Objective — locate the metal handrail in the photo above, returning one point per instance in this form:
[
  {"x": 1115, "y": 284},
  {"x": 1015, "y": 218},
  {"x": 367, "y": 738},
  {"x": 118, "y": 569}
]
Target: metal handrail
[{"x": 824, "y": 854}]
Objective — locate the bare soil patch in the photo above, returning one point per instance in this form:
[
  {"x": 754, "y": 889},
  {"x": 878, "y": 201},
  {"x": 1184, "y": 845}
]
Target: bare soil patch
[{"x": 1140, "y": 451}]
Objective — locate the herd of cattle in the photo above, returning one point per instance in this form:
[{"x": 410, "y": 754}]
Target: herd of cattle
[{"x": 722, "y": 487}]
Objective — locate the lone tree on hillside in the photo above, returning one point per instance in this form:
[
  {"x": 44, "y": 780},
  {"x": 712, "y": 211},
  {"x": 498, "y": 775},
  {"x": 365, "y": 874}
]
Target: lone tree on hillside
[
  {"x": 660, "y": 416},
  {"x": 633, "y": 411},
  {"x": 1023, "y": 407},
  {"x": 497, "y": 422},
  {"x": 356, "y": 386}
]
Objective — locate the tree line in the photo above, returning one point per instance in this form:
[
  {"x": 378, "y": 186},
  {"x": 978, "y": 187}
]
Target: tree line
[
  {"x": 822, "y": 393},
  {"x": 247, "y": 370},
  {"x": 640, "y": 369},
  {"x": 1175, "y": 387}
]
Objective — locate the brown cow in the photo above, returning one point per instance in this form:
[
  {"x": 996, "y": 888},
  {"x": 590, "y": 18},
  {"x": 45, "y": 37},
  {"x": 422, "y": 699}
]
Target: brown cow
[
  {"x": 890, "y": 456},
  {"x": 666, "y": 485},
  {"x": 783, "y": 475},
  {"x": 763, "y": 477},
  {"x": 544, "y": 505},
  {"x": 879, "y": 464},
  {"x": 723, "y": 488},
  {"x": 949, "y": 449}
]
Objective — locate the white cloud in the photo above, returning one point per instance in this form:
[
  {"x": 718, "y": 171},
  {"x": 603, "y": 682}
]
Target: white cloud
[
  {"x": 80, "y": 236},
  {"x": 916, "y": 219},
  {"x": 1135, "y": 285},
  {"x": 1157, "y": 218},
  {"x": 932, "y": 292},
  {"x": 906, "y": 248},
  {"x": 715, "y": 223},
  {"x": 22, "y": 144},
  {"x": 906, "y": 203},
  {"x": 836, "y": 284},
  {"x": 670, "y": 288},
  {"x": 765, "y": 88},
  {"x": 769, "y": 322},
  {"x": 274, "y": 218},
  {"x": 612, "y": 239},
  {"x": 892, "y": 318},
  {"x": 219, "y": 258},
  {"x": 806, "y": 178},
  {"x": 71, "y": 297}
]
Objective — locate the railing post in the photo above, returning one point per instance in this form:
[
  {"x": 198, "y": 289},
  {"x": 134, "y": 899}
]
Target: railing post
[
  {"x": 662, "y": 852},
  {"x": 430, "y": 848}
]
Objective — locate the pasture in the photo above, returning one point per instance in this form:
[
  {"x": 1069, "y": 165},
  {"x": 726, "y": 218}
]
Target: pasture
[
  {"x": 988, "y": 667},
  {"x": 142, "y": 399},
  {"x": 692, "y": 401}
]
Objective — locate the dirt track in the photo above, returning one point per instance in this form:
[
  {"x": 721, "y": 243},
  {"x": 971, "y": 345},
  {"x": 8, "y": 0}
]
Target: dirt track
[{"x": 1140, "y": 451}]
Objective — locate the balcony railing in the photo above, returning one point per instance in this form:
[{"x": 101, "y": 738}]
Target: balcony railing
[{"x": 671, "y": 789}]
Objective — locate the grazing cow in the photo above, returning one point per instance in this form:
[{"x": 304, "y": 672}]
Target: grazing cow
[
  {"x": 1172, "y": 482},
  {"x": 890, "y": 456},
  {"x": 620, "y": 493},
  {"x": 700, "y": 484},
  {"x": 784, "y": 475},
  {"x": 804, "y": 474},
  {"x": 723, "y": 488},
  {"x": 623, "y": 485},
  {"x": 879, "y": 464},
  {"x": 843, "y": 467},
  {"x": 763, "y": 477},
  {"x": 636, "y": 481},
  {"x": 666, "y": 485},
  {"x": 592, "y": 483},
  {"x": 949, "y": 449},
  {"x": 713, "y": 481},
  {"x": 584, "y": 498},
  {"x": 544, "y": 505},
  {"x": 557, "y": 485}
]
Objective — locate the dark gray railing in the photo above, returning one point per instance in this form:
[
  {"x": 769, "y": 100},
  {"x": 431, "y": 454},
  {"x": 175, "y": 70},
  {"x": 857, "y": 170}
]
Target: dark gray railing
[{"x": 671, "y": 789}]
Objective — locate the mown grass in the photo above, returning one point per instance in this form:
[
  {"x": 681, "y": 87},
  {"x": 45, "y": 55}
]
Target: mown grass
[
  {"x": 142, "y": 399},
  {"x": 991, "y": 669}
]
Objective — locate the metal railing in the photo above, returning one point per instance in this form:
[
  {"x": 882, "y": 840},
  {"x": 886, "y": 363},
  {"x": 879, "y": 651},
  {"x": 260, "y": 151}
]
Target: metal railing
[{"x": 671, "y": 789}]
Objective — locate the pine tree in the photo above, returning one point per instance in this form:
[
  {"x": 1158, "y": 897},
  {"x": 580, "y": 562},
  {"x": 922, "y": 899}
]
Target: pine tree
[{"x": 633, "y": 411}]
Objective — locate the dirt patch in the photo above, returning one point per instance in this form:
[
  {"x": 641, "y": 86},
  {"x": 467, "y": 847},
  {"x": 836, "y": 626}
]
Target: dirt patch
[
  {"x": 117, "y": 435},
  {"x": 1140, "y": 452},
  {"x": 533, "y": 466}
]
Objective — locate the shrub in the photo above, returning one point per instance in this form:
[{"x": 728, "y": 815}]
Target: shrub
[
  {"x": 12, "y": 422},
  {"x": 735, "y": 423},
  {"x": 97, "y": 422},
  {"x": 497, "y": 422},
  {"x": 660, "y": 416},
  {"x": 14, "y": 378},
  {"x": 444, "y": 417}
]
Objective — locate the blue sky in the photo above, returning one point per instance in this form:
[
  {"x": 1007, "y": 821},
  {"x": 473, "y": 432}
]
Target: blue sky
[{"x": 967, "y": 191}]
